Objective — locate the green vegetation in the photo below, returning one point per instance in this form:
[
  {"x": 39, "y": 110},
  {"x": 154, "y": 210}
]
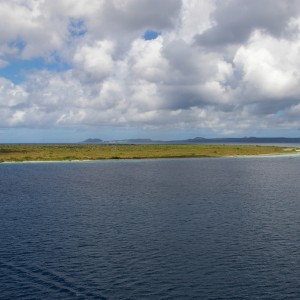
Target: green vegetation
[{"x": 68, "y": 152}]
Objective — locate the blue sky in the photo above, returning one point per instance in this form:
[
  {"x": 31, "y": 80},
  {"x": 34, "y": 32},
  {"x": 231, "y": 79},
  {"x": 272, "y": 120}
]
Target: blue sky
[
  {"x": 151, "y": 35},
  {"x": 17, "y": 70},
  {"x": 182, "y": 69}
]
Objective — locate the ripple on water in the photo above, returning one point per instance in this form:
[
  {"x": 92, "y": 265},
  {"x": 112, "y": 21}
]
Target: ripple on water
[{"x": 166, "y": 229}]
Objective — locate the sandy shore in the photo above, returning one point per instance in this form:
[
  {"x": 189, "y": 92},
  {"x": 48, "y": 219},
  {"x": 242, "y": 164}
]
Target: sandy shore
[
  {"x": 45, "y": 161},
  {"x": 267, "y": 155}
]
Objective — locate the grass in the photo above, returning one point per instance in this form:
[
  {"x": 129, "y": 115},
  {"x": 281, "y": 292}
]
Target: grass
[{"x": 68, "y": 152}]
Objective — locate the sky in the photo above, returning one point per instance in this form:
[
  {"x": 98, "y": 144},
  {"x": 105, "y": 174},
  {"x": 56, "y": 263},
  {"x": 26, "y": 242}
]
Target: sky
[{"x": 172, "y": 69}]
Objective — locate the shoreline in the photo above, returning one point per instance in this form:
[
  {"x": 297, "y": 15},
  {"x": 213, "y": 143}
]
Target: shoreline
[
  {"x": 271, "y": 155},
  {"x": 87, "y": 153}
]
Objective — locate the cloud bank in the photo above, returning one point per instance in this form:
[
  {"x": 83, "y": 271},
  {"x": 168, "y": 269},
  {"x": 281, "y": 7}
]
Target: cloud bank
[{"x": 227, "y": 66}]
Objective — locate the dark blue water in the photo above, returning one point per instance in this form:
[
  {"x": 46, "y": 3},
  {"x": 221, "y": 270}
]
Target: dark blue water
[{"x": 151, "y": 229}]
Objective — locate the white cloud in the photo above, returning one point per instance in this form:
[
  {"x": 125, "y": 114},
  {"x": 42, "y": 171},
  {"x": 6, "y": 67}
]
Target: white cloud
[
  {"x": 31, "y": 29},
  {"x": 195, "y": 18},
  {"x": 270, "y": 68},
  {"x": 95, "y": 61},
  {"x": 147, "y": 61},
  {"x": 191, "y": 76},
  {"x": 11, "y": 95}
]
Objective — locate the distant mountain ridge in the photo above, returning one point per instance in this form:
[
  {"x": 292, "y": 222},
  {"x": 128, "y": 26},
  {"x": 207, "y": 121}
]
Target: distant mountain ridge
[
  {"x": 198, "y": 140},
  {"x": 92, "y": 141},
  {"x": 127, "y": 141}
]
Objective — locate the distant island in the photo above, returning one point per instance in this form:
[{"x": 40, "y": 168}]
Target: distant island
[
  {"x": 99, "y": 151},
  {"x": 200, "y": 140},
  {"x": 92, "y": 141}
]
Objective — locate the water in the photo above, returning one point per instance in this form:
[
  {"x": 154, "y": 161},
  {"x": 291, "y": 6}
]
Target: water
[{"x": 151, "y": 229}]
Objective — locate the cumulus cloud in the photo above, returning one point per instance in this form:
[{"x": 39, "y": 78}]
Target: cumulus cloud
[
  {"x": 234, "y": 21},
  {"x": 95, "y": 61},
  {"x": 228, "y": 66},
  {"x": 134, "y": 15}
]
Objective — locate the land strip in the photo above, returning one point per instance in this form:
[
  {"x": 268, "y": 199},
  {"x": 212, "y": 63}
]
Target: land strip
[{"x": 69, "y": 152}]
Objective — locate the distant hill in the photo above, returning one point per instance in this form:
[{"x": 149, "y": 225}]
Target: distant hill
[
  {"x": 92, "y": 141},
  {"x": 256, "y": 140},
  {"x": 246, "y": 140},
  {"x": 200, "y": 140},
  {"x": 134, "y": 141},
  {"x": 128, "y": 141}
]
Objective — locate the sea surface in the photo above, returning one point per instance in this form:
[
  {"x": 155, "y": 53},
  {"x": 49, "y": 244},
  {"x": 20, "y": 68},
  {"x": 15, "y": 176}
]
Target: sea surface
[{"x": 223, "y": 228}]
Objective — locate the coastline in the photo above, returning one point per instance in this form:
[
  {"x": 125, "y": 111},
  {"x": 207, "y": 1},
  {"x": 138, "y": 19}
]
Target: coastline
[
  {"x": 271, "y": 155},
  {"x": 85, "y": 153}
]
